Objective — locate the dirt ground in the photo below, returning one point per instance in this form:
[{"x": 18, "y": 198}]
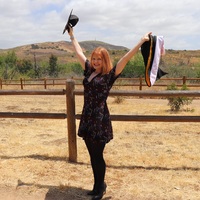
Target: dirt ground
[{"x": 145, "y": 160}]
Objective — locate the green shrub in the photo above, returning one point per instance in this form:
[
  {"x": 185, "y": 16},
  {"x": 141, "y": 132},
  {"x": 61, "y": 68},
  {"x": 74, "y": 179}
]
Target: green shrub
[
  {"x": 118, "y": 99},
  {"x": 176, "y": 103}
]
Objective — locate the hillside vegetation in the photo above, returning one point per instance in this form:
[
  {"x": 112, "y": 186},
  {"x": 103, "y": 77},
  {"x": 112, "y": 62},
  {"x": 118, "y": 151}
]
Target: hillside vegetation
[{"x": 37, "y": 56}]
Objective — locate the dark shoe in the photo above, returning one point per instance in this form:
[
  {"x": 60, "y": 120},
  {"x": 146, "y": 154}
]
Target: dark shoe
[
  {"x": 92, "y": 193},
  {"x": 100, "y": 193}
]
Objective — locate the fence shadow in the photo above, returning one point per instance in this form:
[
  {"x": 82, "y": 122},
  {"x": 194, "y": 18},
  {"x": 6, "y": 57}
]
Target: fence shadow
[
  {"x": 130, "y": 167},
  {"x": 159, "y": 168}
]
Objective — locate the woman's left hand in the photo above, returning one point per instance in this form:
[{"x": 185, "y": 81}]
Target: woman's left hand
[{"x": 146, "y": 37}]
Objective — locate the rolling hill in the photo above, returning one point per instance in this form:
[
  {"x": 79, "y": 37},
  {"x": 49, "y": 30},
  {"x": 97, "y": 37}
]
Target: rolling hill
[{"x": 62, "y": 49}]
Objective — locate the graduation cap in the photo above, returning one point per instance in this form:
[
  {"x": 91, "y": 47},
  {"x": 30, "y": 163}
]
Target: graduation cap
[
  {"x": 71, "y": 22},
  {"x": 151, "y": 51}
]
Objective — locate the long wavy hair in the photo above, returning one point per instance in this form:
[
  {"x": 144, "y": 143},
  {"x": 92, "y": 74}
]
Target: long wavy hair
[{"x": 106, "y": 61}]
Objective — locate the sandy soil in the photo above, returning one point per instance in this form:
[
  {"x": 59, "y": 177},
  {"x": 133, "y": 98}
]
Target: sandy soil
[{"x": 145, "y": 160}]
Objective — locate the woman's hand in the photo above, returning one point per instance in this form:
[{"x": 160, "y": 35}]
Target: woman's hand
[{"x": 146, "y": 37}]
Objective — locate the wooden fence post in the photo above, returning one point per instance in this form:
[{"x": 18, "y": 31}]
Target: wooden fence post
[
  {"x": 140, "y": 79},
  {"x": 45, "y": 83},
  {"x": 1, "y": 84},
  {"x": 184, "y": 80},
  {"x": 21, "y": 82},
  {"x": 71, "y": 120}
]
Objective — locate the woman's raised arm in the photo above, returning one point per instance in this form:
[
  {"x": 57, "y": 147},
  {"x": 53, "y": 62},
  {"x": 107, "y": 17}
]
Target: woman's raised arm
[
  {"x": 77, "y": 48},
  {"x": 124, "y": 60}
]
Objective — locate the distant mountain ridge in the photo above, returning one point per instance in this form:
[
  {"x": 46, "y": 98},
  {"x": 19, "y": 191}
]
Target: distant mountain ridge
[
  {"x": 90, "y": 45},
  {"x": 86, "y": 45}
]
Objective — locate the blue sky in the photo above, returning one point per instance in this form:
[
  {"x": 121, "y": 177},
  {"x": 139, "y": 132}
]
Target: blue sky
[{"x": 113, "y": 21}]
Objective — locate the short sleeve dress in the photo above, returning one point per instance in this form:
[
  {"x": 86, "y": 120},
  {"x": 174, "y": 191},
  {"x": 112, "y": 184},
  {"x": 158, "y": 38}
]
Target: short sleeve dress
[{"x": 95, "y": 123}]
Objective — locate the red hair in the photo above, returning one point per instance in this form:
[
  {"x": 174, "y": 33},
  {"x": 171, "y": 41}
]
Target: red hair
[{"x": 107, "y": 64}]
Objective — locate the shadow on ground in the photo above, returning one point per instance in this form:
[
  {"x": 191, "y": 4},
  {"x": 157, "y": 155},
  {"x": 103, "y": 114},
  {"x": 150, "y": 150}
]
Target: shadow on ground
[
  {"x": 67, "y": 193},
  {"x": 60, "y": 192},
  {"x": 70, "y": 193}
]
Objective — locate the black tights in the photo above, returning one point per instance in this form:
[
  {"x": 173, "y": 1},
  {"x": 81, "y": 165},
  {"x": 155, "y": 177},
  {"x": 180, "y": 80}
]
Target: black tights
[{"x": 95, "y": 150}]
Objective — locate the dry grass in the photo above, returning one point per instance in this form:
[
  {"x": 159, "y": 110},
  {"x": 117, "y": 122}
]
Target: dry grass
[{"x": 144, "y": 161}]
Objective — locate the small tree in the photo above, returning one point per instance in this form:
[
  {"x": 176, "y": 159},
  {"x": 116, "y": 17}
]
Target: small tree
[
  {"x": 53, "y": 68},
  {"x": 10, "y": 64},
  {"x": 24, "y": 66},
  {"x": 176, "y": 103}
]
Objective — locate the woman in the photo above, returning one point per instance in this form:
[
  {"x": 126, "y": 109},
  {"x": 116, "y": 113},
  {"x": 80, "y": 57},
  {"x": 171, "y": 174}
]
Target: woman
[{"x": 95, "y": 124}]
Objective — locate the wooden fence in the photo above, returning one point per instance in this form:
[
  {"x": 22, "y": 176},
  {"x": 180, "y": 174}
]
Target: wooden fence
[
  {"x": 71, "y": 116},
  {"x": 135, "y": 82}
]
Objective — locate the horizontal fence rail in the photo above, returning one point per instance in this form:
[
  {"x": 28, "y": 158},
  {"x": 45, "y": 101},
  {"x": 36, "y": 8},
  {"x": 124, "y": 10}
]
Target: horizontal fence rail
[
  {"x": 168, "y": 93},
  {"x": 33, "y": 115},
  {"x": 152, "y": 118},
  {"x": 139, "y": 82},
  {"x": 157, "y": 118},
  {"x": 32, "y": 92}
]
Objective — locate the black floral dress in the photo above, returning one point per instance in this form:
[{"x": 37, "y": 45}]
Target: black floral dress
[{"x": 95, "y": 123}]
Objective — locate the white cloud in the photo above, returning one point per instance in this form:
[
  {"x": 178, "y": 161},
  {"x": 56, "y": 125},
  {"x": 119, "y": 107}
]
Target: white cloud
[{"x": 114, "y": 21}]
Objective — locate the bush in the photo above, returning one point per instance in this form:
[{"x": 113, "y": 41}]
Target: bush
[
  {"x": 77, "y": 69},
  {"x": 118, "y": 99},
  {"x": 134, "y": 68},
  {"x": 176, "y": 103}
]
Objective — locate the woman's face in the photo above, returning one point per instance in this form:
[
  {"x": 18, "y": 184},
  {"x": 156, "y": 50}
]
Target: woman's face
[{"x": 97, "y": 62}]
